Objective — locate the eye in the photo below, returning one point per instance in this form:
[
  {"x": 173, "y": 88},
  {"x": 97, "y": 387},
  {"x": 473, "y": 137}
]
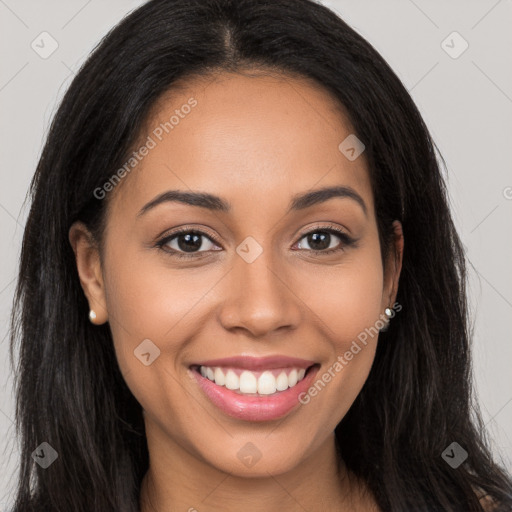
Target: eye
[
  {"x": 321, "y": 241},
  {"x": 189, "y": 243},
  {"x": 185, "y": 243}
]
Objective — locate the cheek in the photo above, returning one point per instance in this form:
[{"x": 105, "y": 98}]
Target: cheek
[
  {"x": 347, "y": 297},
  {"x": 351, "y": 302},
  {"x": 149, "y": 308},
  {"x": 347, "y": 300},
  {"x": 147, "y": 298}
]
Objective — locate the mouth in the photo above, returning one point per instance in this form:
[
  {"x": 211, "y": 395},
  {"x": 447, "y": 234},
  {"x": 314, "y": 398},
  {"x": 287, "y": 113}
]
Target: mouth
[
  {"x": 265, "y": 394},
  {"x": 245, "y": 382}
]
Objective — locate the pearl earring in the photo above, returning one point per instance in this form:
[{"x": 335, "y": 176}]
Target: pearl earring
[
  {"x": 388, "y": 313},
  {"x": 92, "y": 315}
]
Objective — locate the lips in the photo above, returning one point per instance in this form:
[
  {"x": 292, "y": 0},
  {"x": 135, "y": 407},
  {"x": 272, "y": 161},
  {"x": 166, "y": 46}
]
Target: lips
[
  {"x": 268, "y": 403},
  {"x": 256, "y": 408}
]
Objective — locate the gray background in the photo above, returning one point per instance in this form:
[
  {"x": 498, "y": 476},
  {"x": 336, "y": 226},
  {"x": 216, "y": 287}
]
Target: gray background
[{"x": 466, "y": 103}]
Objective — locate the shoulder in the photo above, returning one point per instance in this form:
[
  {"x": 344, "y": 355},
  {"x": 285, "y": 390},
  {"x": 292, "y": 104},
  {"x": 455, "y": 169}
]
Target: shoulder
[{"x": 487, "y": 503}]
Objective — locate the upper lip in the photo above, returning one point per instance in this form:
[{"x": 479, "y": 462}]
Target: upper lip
[{"x": 258, "y": 363}]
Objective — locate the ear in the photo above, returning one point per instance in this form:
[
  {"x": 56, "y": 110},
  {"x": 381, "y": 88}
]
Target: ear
[
  {"x": 88, "y": 264},
  {"x": 393, "y": 267}
]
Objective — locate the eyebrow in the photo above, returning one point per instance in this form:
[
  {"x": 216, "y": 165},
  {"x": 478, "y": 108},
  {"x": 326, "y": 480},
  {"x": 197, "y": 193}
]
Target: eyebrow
[{"x": 216, "y": 203}]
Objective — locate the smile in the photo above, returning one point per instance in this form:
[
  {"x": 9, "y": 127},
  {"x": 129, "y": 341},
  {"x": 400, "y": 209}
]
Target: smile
[
  {"x": 248, "y": 382},
  {"x": 254, "y": 395}
]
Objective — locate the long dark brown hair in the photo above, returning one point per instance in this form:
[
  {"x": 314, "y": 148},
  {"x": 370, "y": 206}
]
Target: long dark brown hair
[{"x": 418, "y": 397}]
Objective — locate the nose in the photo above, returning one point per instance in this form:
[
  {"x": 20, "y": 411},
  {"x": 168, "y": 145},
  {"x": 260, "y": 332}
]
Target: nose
[{"x": 259, "y": 298}]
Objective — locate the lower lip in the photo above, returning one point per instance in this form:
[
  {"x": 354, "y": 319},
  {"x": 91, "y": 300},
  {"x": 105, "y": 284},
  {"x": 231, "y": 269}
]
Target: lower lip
[{"x": 255, "y": 408}]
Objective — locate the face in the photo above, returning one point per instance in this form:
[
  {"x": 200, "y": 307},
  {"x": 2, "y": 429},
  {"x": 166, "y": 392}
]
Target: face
[{"x": 265, "y": 276}]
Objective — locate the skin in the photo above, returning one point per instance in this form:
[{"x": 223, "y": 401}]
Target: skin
[{"x": 274, "y": 136}]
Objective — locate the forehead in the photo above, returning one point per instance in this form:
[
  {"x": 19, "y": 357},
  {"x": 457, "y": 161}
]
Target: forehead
[{"x": 255, "y": 140}]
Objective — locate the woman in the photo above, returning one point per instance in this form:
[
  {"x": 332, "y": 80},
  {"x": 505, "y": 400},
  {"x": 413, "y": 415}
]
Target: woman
[{"x": 240, "y": 285}]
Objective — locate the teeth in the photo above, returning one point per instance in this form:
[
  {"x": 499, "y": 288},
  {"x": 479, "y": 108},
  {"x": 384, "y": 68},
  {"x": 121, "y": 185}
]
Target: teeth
[
  {"x": 219, "y": 377},
  {"x": 232, "y": 380},
  {"x": 267, "y": 383},
  {"x": 292, "y": 378},
  {"x": 247, "y": 382},
  {"x": 282, "y": 382}
]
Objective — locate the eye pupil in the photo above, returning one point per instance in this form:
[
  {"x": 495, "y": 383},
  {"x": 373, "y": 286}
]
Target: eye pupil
[
  {"x": 319, "y": 240},
  {"x": 192, "y": 242}
]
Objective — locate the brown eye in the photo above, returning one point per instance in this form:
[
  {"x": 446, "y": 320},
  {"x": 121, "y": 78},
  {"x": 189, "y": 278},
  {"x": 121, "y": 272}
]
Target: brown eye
[
  {"x": 186, "y": 243},
  {"x": 323, "y": 240}
]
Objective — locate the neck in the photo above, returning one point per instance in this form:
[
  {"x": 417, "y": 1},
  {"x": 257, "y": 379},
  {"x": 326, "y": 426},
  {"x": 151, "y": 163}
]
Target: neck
[{"x": 177, "y": 480}]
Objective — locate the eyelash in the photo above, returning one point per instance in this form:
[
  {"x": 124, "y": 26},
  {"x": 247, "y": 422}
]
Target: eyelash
[{"x": 346, "y": 241}]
